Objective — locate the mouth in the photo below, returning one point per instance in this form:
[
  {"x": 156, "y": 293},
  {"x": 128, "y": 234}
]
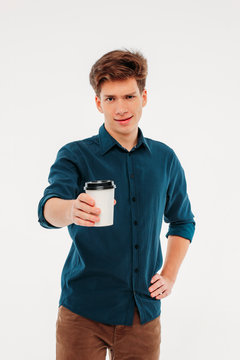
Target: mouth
[{"x": 124, "y": 121}]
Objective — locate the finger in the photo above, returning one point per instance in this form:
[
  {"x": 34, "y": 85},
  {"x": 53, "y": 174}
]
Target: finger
[
  {"x": 86, "y": 216},
  {"x": 87, "y": 208},
  {"x": 155, "y": 278},
  {"x": 115, "y": 202},
  {"x": 159, "y": 291},
  {"x": 82, "y": 222},
  {"x": 156, "y": 285},
  {"x": 84, "y": 197},
  {"x": 163, "y": 295}
]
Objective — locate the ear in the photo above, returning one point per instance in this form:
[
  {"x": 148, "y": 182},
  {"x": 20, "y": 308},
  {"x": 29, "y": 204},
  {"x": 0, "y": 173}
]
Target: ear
[
  {"x": 144, "y": 97},
  {"x": 98, "y": 104}
]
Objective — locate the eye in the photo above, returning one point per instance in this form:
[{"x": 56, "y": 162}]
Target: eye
[
  {"x": 130, "y": 96},
  {"x": 109, "y": 98}
]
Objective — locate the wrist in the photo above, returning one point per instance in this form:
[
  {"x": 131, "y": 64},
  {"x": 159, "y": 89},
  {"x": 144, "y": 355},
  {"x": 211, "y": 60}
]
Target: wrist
[{"x": 69, "y": 212}]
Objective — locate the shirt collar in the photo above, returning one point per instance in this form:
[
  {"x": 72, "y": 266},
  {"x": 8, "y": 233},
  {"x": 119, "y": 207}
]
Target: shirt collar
[{"x": 107, "y": 141}]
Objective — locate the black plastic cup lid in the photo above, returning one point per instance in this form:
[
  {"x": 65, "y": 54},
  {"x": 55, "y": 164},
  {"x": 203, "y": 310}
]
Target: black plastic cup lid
[{"x": 99, "y": 185}]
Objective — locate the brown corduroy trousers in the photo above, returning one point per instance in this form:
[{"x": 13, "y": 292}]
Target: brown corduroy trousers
[{"x": 79, "y": 338}]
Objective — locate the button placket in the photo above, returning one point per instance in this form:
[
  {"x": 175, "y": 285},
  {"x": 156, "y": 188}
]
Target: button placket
[{"x": 132, "y": 194}]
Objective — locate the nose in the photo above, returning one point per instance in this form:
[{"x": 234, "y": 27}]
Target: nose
[{"x": 120, "y": 108}]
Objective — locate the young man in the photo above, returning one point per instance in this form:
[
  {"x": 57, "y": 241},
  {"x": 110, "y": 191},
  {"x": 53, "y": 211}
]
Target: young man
[{"x": 111, "y": 289}]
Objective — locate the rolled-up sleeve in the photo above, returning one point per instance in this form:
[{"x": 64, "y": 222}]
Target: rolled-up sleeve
[
  {"x": 64, "y": 180},
  {"x": 177, "y": 210}
]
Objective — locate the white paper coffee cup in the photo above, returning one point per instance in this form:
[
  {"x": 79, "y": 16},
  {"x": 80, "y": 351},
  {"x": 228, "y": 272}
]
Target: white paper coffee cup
[{"x": 102, "y": 191}]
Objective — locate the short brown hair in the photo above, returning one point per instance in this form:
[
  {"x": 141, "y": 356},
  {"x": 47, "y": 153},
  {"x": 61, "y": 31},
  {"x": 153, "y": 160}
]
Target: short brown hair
[{"x": 119, "y": 65}]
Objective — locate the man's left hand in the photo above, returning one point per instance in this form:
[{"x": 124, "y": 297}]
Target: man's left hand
[{"x": 161, "y": 286}]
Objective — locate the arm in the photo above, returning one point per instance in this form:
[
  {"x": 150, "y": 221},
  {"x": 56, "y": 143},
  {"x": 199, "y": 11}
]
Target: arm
[
  {"x": 64, "y": 186},
  {"x": 61, "y": 204},
  {"x": 180, "y": 233},
  {"x": 176, "y": 250},
  {"x": 162, "y": 283},
  {"x": 60, "y": 212}
]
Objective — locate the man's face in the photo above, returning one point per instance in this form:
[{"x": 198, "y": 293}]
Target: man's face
[{"x": 119, "y": 100}]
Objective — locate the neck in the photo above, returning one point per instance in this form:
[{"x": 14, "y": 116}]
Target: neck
[{"x": 128, "y": 141}]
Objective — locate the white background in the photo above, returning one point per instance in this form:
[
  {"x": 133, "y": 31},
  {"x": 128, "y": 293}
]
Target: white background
[{"x": 47, "y": 49}]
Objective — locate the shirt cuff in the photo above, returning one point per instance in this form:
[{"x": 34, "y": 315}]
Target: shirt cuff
[{"x": 184, "y": 230}]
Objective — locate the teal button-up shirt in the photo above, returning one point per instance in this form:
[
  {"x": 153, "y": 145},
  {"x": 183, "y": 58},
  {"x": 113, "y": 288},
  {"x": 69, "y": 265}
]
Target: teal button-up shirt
[{"x": 108, "y": 269}]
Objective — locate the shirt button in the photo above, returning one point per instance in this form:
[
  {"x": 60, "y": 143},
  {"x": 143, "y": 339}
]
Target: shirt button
[
  {"x": 133, "y": 198},
  {"x": 135, "y": 222},
  {"x": 136, "y": 270},
  {"x": 132, "y": 176},
  {"x": 136, "y": 246}
]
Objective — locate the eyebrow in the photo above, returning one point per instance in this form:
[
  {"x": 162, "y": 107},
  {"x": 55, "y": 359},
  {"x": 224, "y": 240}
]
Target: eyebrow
[{"x": 133, "y": 93}]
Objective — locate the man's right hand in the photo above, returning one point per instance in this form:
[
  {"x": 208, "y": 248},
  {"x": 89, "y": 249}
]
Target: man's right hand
[{"x": 83, "y": 211}]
